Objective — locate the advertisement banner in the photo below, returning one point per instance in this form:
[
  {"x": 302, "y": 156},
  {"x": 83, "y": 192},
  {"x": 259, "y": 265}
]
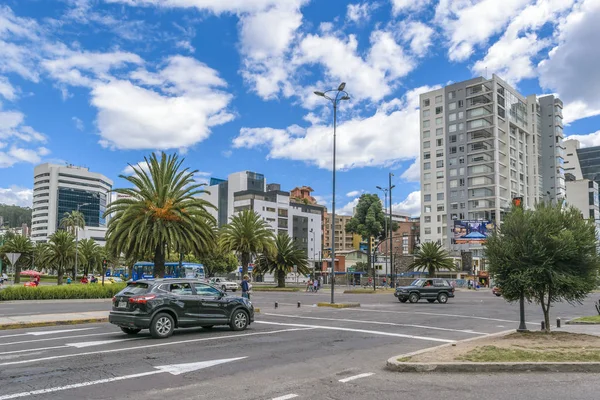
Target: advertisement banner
[{"x": 471, "y": 232}]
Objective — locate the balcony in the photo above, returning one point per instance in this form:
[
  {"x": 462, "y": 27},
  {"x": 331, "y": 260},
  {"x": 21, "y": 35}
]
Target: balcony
[
  {"x": 480, "y": 123},
  {"x": 480, "y": 111},
  {"x": 481, "y": 88},
  {"x": 480, "y": 100}
]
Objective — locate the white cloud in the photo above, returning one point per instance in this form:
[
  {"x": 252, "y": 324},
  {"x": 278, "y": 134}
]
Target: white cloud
[
  {"x": 185, "y": 45},
  {"x": 418, "y": 35},
  {"x": 571, "y": 68},
  {"x": 372, "y": 141},
  {"x": 14, "y": 134},
  {"x": 469, "y": 23},
  {"x": 214, "y": 6},
  {"x": 78, "y": 123},
  {"x": 354, "y": 193},
  {"x": 400, "y": 6},
  {"x": 17, "y": 196},
  {"x": 348, "y": 209},
  {"x": 143, "y": 165},
  {"x": 6, "y": 89},
  {"x": 16, "y": 35},
  {"x": 361, "y": 12},
  {"x": 411, "y": 205},
  {"x": 413, "y": 173},
  {"x": 589, "y": 140},
  {"x": 202, "y": 177}
]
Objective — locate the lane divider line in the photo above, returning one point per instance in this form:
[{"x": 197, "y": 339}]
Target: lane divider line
[
  {"x": 286, "y": 397},
  {"x": 351, "y": 378}
]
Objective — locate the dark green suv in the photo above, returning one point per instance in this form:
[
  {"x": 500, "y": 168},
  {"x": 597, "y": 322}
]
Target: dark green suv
[{"x": 430, "y": 289}]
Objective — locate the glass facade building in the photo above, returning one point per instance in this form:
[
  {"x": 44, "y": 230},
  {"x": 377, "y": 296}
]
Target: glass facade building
[{"x": 93, "y": 210}]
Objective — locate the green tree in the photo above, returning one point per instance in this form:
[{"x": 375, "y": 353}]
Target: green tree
[
  {"x": 547, "y": 255},
  {"x": 72, "y": 221},
  {"x": 160, "y": 213},
  {"x": 217, "y": 260},
  {"x": 15, "y": 216},
  {"x": 281, "y": 260},
  {"x": 247, "y": 234},
  {"x": 22, "y": 245},
  {"x": 91, "y": 255},
  {"x": 432, "y": 257},
  {"x": 42, "y": 257},
  {"x": 62, "y": 252},
  {"x": 361, "y": 266}
]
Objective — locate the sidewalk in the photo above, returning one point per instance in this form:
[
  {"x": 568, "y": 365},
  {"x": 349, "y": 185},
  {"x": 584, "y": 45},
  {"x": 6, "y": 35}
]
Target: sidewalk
[
  {"x": 29, "y": 321},
  {"x": 593, "y": 330}
]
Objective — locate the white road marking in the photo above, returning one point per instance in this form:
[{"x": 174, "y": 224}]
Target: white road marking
[
  {"x": 30, "y": 350},
  {"x": 351, "y": 378},
  {"x": 81, "y": 345},
  {"x": 42, "y": 333},
  {"x": 286, "y": 397},
  {"x": 59, "y": 338},
  {"x": 470, "y": 331},
  {"x": 427, "y": 313},
  {"x": 149, "y": 346},
  {"x": 172, "y": 369},
  {"x": 335, "y": 328}
]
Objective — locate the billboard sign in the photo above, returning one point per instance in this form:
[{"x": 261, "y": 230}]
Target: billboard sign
[{"x": 471, "y": 231}]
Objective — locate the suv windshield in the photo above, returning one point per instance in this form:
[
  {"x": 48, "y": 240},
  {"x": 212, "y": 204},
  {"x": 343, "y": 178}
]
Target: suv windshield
[
  {"x": 417, "y": 282},
  {"x": 134, "y": 288}
]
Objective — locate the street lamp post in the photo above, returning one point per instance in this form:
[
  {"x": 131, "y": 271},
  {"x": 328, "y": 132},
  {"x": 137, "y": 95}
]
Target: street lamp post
[
  {"x": 340, "y": 95},
  {"x": 390, "y": 187},
  {"x": 385, "y": 193},
  {"x": 77, "y": 242},
  {"x": 314, "y": 257}
]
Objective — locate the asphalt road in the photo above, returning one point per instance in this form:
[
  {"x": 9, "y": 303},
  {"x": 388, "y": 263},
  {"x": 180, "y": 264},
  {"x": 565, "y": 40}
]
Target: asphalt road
[{"x": 289, "y": 352}]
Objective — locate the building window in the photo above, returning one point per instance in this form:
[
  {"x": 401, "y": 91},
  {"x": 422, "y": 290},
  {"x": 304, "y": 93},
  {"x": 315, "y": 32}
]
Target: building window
[
  {"x": 439, "y": 132},
  {"x": 452, "y": 161},
  {"x": 452, "y": 138},
  {"x": 439, "y": 229},
  {"x": 461, "y": 126},
  {"x": 426, "y": 124},
  {"x": 428, "y": 231},
  {"x": 427, "y": 209},
  {"x": 452, "y": 128},
  {"x": 439, "y": 120},
  {"x": 426, "y": 145},
  {"x": 439, "y": 174},
  {"x": 425, "y": 134},
  {"x": 461, "y": 115},
  {"x": 453, "y": 172},
  {"x": 440, "y": 186},
  {"x": 439, "y": 142},
  {"x": 440, "y": 207},
  {"x": 427, "y": 197},
  {"x": 452, "y": 106},
  {"x": 439, "y": 153},
  {"x": 439, "y": 164},
  {"x": 451, "y": 95},
  {"x": 427, "y": 187},
  {"x": 460, "y": 103},
  {"x": 454, "y": 206},
  {"x": 426, "y": 165},
  {"x": 426, "y": 102},
  {"x": 426, "y": 113},
  {"x": 453, "y": 182},
  {"x": 440, "y": 196},
  {"x": 452, "y": 117},
  {"x": 427, "y": 219},
  {"x": 438, "y": 99},
  {"x": 439, "y": 110},
  {"x": 427, "y": 176},
  {"x": 426, "y": 155}
]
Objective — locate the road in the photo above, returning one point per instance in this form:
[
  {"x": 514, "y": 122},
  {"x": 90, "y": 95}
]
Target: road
[{"x": 290, "y": 352}]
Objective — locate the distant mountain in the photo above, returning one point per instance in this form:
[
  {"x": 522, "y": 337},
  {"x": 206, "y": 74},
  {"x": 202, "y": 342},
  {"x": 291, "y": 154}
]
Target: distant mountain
[{"x": 15, "y": 216}]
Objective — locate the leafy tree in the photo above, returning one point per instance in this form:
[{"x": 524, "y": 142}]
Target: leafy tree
[
  {"x": 162, "y": 212},
  {"x": 91, "y": 255},
  {"x": 42, "y": 255},
  {"x": 72, "y": 221},
  {"x": 432, "y": 257},
  {"x": 15, "y": 216},
  {"x": 62, "y": 252},
  {"x": 217, "y": 262},
  {"x": 247, "y": 234},
  {"x": 281, "y": 260},
  {"x": 18, "y": 244},
  {"x": 361, "y": 266},
  {"x": 546, "y": 255}
]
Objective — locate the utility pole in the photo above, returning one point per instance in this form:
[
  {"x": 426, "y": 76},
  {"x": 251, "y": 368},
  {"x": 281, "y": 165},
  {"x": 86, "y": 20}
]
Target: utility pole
[{"x": 390, "y": 187}]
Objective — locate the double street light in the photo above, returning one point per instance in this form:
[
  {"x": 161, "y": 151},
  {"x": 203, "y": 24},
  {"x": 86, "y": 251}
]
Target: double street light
[
  {"x": 334, "y": 96},
  {"x": 77, "y": 241}
]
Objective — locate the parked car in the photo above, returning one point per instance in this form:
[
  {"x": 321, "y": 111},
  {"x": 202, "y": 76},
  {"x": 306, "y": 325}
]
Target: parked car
[
  {"x": 497, "y": 291},
  {"x": 224, "y": 284},
  {"x": 430, "y": 289},
  {"x": 162, "y": 305}
]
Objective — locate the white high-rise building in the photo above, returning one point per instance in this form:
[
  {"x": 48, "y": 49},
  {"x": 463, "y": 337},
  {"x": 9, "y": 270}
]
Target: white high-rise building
[
  {"x": 249, "y": 191},
  {"x": 58, "y": 189},
  {"x": 482, "y": 145}
]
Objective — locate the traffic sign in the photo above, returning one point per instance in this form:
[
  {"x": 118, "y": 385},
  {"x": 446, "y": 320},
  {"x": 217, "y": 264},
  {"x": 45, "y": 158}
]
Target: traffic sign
[{"x": 13, "y": 258}]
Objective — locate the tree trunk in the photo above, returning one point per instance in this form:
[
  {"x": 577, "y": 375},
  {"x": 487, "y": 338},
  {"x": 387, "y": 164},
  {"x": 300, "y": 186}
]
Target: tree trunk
[
  {"x": 431, "y": 271},
  {"x": 17, "y": 277},
  {"x": 159, "y": 261},
  {"x": 281, "y": 278},
  {"x": 245, "y": 262},
  {"x": 546, "y": 311},
  {"x": 59, "y": 273}
]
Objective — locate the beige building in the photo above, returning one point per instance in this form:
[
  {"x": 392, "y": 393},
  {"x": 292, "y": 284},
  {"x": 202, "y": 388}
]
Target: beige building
[{"x": 343, "y": 240}]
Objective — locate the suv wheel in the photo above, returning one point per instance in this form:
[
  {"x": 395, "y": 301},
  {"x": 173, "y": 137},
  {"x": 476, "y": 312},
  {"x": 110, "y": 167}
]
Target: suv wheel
[
  {"x": 224, "y": 288},
  {"x": 443, "y": 298},
  {"x": 131, "y": 331},
  {"x": 413, "y": 297},
  {"x": 162, "y": 326},
  {"x": 239, "y": 320}
]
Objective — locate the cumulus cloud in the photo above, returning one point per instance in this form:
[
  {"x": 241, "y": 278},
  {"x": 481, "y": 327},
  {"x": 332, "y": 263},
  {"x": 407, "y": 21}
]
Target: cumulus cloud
[
  {"x": 413, "y": 173},
  {"x": 589, "y": 140},
  {"x": 411, "y": 205},
  {"x": 78, "y": 123},
  {"x": 354, "y": 193},
  {"x": 17, "y": 196},
  {"x": 371, "y": 141},
  {"x": 8, "y": 91},
  {"x": 348, "y": 208},
  {"x": 22, "y": 141},
  {"x": 360, "y": 12},
  {"x": 401, "y": 6}
]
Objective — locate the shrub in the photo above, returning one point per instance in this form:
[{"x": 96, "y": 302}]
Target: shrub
[{"x": 92, "y": 291}]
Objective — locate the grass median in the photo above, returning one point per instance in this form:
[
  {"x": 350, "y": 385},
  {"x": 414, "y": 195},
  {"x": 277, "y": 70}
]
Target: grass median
[
  {"x": 369, "y": 291},
  {"x": 89, "y": 291},
  {"x": 592, "y": 320},
  {"x": 274, "y": 289}
]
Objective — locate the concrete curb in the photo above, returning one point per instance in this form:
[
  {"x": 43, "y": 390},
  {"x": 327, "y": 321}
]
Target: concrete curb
[
  {"x": 339, "y": 305},
  {"x": 581, "y": 323},
  {"x": 394, "y": 365},
  {"x": 38, "y": 324}
]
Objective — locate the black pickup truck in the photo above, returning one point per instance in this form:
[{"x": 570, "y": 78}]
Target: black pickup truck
[{"x": 431, "y": 289}]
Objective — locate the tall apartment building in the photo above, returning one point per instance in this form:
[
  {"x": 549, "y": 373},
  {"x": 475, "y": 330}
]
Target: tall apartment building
[
  {"x": 249, "y": 191},
  {"x": 482, "y": 144},
  {"x": 553, "y": 149},
  {"x": 58, "y": 189},
  {"x": 343, "y": 240}
]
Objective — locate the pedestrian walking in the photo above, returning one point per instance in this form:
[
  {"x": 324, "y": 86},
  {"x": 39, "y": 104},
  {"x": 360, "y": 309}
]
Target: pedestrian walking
[
  {"x": 384, "y": 282},
  {"x": 245, "y": 288},
  {"x": 316, "y": 285},
  {"x": 309, "y": 285}
]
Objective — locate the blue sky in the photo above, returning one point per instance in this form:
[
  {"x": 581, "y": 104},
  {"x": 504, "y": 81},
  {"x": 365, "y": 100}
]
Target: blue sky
[{"x": 229, "y": 83}]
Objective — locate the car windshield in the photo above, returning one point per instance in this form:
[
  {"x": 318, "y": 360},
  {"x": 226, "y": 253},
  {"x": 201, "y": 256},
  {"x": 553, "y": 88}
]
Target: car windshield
[
  {"x": 417, "y": 282},
  {"x": 134, "y": 288}
]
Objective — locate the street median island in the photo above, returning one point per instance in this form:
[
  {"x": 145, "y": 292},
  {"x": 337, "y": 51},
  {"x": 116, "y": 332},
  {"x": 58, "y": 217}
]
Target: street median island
[
  {"x": 369, "y": 291},
  {"x": 274, "y": 289},
  {"x": 507, "y": 352},
  {"x": 592, "y": 320},
  {"x": 339, "y": 305}
]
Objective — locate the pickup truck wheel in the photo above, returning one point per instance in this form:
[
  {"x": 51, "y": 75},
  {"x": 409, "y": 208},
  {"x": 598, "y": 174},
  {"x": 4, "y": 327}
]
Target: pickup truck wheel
[
  {"x": 224, "y": 288},
  {"x": 442, "y": 298},
  {"x": 162, "y": 326},
  {"x": 413, "y": 297},
  {"x": 239, "y": 320},
  {"x": 402, "y": 300},
  {"x": 131, "y": 331},
  {"x": 430, "y": 300}
]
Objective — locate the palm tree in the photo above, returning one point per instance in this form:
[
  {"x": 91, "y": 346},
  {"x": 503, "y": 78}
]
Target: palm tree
[
  {"x": 22, "y": 245},
  {"x": 432, "y": 257},
  {"x": 72, "y": 221},
  {"x": 247, "y": 234},
  {"x": 62, "y": 252},
  {"x": 282, "y": 259},
  {"x": 42, "y": 255},
  {"x": 161, "y": 212},
  {"x": 91, "y": 255}
]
